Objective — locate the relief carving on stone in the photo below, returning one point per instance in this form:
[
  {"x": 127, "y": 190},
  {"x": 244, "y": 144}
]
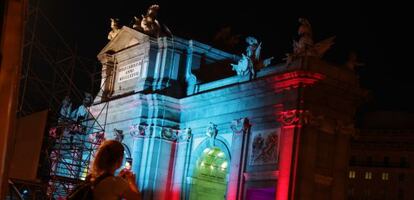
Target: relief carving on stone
[
  {"x": 169, "y": 134},
  {"x": 212, "y": 131},
  {"x": 184, "y": 135},
  {"x": 291, "y": 117},
  {"x": 119, "y": 135},
  {"x": 264, "y": 148},
  {"x": 305, "y": 117},
  {"x": 300, "y": 117},
  {"x": 305, "y": 45},
  {"x": 139, "y": 130}
]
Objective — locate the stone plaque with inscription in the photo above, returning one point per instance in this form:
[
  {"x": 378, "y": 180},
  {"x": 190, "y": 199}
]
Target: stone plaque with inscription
[{"x": 129, "y": 71}]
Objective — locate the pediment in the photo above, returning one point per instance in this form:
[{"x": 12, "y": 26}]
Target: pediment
[{"x": 126, "y": 38}]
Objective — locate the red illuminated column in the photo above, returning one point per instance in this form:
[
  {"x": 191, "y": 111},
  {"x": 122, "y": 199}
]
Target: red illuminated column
[{"x": 289, "y": 138}]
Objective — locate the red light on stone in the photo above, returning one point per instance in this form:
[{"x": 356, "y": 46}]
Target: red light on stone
[{"x": 295, "y": 79}]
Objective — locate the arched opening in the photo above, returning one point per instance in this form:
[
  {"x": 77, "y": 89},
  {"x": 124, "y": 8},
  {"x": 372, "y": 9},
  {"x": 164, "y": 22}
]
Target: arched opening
[{"x": 210, "y": 175}]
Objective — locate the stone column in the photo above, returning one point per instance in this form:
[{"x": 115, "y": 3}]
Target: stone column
[
  {"x": 137, "y": 153},
  {"x": 108, "y": 75},
  {"x": 241, "y": 132},
  {"x": 288, "y": 153},
  {"x": 181, "y": 165},
  {"x": 190, "y": 78}
]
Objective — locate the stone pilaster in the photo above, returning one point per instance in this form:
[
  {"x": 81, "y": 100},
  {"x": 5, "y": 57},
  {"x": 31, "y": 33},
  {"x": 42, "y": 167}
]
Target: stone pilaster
[
  {"x": 108, "y": 77},
  {"x": 241, "y": 132}
]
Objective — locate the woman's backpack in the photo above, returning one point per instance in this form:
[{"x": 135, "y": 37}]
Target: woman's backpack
[{"x": 84, "y": 191}]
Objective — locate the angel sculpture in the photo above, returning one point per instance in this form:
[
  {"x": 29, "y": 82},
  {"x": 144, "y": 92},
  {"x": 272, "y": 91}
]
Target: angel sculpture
[
  {"x": 137, "y": 24},
  {"x": 115, "y": 28},
  {"x": 305, "y": 45},
  {"x": 250, "y": 62},
  {"x": 149, "y": 24},
  {"x": 305, "y": 34}
]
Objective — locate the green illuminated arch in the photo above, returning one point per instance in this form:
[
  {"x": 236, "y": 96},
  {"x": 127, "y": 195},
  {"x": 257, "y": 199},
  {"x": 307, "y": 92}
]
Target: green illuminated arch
[{"x": 210, "y": 175}]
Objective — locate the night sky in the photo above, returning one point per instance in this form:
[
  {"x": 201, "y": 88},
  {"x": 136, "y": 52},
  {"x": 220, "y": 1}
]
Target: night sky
[{"x": 379, "y": 33}]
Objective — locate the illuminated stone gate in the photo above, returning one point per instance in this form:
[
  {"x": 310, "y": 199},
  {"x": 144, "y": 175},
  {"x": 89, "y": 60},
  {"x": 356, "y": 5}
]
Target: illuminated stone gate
[{"x": 264, "y": 131}]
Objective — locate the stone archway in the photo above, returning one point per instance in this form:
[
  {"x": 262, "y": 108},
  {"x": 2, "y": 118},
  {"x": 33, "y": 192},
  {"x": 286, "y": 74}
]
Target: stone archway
[{"x": 209, "y": 180}]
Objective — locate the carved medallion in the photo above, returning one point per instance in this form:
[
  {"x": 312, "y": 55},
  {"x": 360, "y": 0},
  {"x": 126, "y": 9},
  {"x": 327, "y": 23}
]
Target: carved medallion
[{"x": 137, "y": 130}]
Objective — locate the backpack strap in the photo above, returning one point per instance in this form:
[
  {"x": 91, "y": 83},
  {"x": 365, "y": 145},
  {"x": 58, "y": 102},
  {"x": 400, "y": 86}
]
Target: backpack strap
[{"x": 100, "y": 178}]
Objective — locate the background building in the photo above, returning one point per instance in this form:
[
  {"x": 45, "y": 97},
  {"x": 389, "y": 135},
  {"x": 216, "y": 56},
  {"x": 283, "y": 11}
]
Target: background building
[{"x": 380, "y": 165}]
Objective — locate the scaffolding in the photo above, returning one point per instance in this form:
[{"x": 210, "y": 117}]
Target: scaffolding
[
  {"x": 52, "y": 68},
  {"x": 71, "y": 150},
  {"x": 51, "y": 71}
]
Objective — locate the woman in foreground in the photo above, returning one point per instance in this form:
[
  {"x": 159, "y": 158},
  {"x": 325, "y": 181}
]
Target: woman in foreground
[{"x": 108, "y": 159}]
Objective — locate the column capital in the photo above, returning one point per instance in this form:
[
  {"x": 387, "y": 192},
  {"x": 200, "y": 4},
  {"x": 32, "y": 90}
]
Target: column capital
[
  {"x": 240, "y": 126},
  {"x": 294, "y": 117}
]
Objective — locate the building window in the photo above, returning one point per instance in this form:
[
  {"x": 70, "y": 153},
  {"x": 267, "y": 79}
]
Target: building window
[
  {"x": 351, "y": 174},
  {"x": 368, "y": 175},
  {"x": 385, "y": 176}
]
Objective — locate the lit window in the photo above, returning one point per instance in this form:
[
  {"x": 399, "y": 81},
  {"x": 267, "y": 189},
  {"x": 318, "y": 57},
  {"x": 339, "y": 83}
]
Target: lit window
[
  {"x": 385, "y": 176},
  {"x": 351, "y": 174},
  {"x": 368, "y": 175}
]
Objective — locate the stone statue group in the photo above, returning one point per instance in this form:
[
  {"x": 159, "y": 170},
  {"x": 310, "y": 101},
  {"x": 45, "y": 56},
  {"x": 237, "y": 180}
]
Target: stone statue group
[
  {"x": 77, "y": 115},
  {"x": 250, "y": 62},
  {"x": 147, "y": 24}
]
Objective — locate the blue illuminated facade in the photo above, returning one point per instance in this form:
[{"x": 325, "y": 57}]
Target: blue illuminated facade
[{"x": 196, "y": 130}]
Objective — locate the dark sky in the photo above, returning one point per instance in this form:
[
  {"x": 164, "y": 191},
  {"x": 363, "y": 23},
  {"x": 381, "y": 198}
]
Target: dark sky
[{"x": 378, "y": 33}]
